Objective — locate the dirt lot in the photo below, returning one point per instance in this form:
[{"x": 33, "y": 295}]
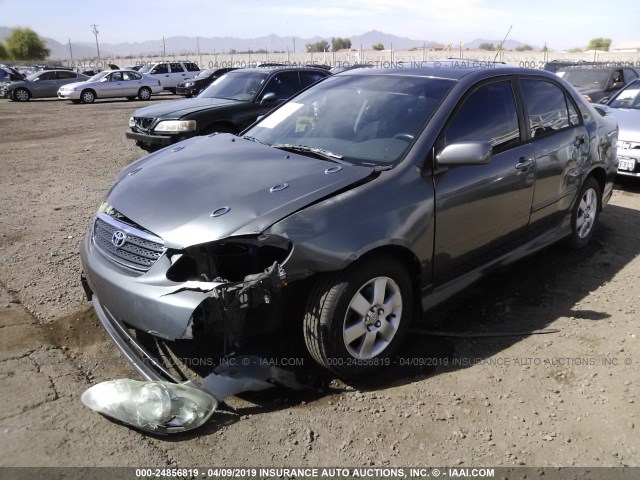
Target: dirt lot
[{"x": 560, "y": 399}]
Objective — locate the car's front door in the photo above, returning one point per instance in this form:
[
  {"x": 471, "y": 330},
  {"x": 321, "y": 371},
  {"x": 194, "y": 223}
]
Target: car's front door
[
  {"x": 46, "y": 85},
  {"x": 112, "y": 85},
  {"x": 161, "y": 72},
  {"x": 481, "y": 208},
  {"x": 561, "y": 147}
]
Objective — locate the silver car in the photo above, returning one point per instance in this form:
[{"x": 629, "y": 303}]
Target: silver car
[
  {"x": 624, "y": 106},
  {"x": 110, "y": 84},
  {"x": 40, "y": 85},
  {"x": 343, "y": 214}
]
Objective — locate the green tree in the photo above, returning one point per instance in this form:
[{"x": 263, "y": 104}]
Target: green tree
[
  {"x": 4, "y": 55},
  {"x": 25, "y": 44},
  {"x": 378, "y": 47},
  {"x": 524, "y": 48},
  {"x": 338, "y": 43},
  {"x": 487, "y": 46},
  {"x": 320, "y": 46},
  {"x": 599, "y": 44}
]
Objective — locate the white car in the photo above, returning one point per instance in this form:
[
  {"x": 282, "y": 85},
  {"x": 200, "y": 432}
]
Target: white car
[
  {"x": 171, "y": 74},
  {"x": 109, "y": 84}
]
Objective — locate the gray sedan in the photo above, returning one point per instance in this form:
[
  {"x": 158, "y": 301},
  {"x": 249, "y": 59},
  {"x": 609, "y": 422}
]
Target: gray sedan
[
  {"x": 40, "y": 85},
  {"x": 344, "y": 214},
  {"x": 624, "y": 106},
  {"x": 111, "y": 84}
]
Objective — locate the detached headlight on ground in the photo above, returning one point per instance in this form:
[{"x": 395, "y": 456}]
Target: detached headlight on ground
[
  {"x": 159, "y": 407},
  {"x": 176, "y": 126}
]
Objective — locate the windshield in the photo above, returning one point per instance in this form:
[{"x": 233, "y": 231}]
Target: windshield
[
  {"x": 629, "y": 97},
  {"x": 235, "y": 86},
  {"x": 361, "y": 119},
  {"x": 99, "y": 76},
  {"x": 206, "y": 73},
  {"x": 145, "y": 69},
  {"x": 586, "y": 78}
]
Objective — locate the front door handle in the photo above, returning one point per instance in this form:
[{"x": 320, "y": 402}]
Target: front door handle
[{"x": 524, "y": 163}]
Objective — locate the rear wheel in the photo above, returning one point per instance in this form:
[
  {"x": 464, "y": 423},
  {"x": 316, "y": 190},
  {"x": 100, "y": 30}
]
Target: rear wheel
[
  {"x": 87, "y": 96},
  {"x": 356, "y": 319},
  {"x": 21, "y": 95},
  {"x": 585, "y": 214},
  {"x": 144, "y": 93}
]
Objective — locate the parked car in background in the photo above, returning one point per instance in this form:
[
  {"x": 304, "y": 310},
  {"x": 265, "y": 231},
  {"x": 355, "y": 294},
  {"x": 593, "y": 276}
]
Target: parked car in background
[
  {"x": 111, "y": 84},
  {"x": 41, "y": 84},
  {"x": 171, "y": 74},
  {"x": 595, "y": 81},
  {"x": 625, "y": 107},
  {"x": 135, "y": 68},
  {"x": 193, "y": 86},
  {"x": 230, "y": 104},
  {"x": 10, "y": 74},
  {"x": 330, "y": 204}
]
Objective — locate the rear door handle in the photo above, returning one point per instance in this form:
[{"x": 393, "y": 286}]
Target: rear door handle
[{"x": 524, "y": 163}]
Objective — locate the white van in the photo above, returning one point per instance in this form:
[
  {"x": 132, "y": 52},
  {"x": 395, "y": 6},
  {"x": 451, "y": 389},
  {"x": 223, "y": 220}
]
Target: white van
[{"x": 171, "y": 74}]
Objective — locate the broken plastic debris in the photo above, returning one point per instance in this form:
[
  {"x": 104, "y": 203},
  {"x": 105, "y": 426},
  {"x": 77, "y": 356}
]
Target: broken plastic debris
[{"x": 158, "y": 407}]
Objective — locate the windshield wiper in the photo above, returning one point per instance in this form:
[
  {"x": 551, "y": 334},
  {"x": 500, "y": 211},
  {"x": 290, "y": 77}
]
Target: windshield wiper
[
  {"x": 253, "y": 139},
  {"x": 319, "y": 152}
]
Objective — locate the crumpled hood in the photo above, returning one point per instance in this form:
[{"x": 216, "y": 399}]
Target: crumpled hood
[
  {"x": 178, "y": 108},
  {"x": 173, "y": 193}
]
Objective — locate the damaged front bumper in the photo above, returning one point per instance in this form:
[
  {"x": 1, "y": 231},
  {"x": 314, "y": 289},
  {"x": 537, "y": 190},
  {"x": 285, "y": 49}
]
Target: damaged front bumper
[{"x": 166, "y": 309}]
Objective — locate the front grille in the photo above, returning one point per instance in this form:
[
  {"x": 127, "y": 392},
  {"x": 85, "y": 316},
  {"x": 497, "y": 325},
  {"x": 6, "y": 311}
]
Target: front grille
[
  {"x": 138, "y": 250},
  {"x": 142, "y": 123}
]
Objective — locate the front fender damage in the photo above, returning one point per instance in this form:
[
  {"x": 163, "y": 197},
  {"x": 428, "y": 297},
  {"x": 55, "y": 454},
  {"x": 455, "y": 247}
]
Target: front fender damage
[{"x": 228, "y": 303}]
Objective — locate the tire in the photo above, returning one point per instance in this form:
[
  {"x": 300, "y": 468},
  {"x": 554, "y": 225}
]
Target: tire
[
  {"x": 346, "y": 329},
  {"x": 87, "y": 96},
  {"x": 21, "y": 95},
  {"x": 585, "y": 214},
  {"x": 144, "y": 93}
]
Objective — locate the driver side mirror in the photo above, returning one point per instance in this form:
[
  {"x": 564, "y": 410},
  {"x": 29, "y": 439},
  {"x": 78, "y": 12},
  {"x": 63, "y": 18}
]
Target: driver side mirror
[
  {"x": 268, "y": 98},
  {"x": 465, "y": 153}
]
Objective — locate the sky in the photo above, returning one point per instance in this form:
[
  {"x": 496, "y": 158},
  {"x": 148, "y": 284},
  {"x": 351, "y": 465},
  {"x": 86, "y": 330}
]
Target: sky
[{"x": 561, "y": 24}]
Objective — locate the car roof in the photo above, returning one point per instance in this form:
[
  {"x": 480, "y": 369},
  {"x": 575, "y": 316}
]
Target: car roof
[
  {"x": 286, "y": 68},
  {"x": 451, "y": 69}
]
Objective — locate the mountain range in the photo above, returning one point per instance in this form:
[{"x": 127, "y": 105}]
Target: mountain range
[{"x": 180, "y": 45}]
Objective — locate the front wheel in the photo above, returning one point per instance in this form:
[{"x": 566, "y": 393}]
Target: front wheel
[
  {"x": 355, "y": 320},
  {"x": 21, "y": 95},
  {"x": 87, "y": 96},
  {"x": 584, "y": 216},
  {"x": 144, "y": 93}
]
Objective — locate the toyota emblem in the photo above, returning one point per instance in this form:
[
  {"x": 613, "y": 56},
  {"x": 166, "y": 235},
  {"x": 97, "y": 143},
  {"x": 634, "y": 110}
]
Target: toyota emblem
[{"x": 119, "y": 238}]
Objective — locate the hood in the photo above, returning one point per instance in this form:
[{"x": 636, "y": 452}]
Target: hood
[
  {"x": 179, "y": 108},
  {"x": 173, "y": 193},
  {"x": 628, "y": 123}
]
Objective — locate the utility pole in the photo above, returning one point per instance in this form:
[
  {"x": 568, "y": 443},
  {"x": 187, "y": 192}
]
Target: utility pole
[
  {"x": 95, "y": 32},
  {"x": 70, "y": 51},
  {"x": 164, "y": 48}
]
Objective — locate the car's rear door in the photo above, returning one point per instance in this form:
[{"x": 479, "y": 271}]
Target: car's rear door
[
  {"x": 64, "y": 78},
  {"x": 177, "y": 75},
  {"x": 131, "y": 83},
  {"x": 561, "y": 147},
  {"x": 480, "y": 209}
]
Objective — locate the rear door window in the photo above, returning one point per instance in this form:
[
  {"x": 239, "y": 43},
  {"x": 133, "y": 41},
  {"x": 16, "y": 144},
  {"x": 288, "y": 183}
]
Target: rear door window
[
  {"x": 176, "y": 68},
  {"x": 309, "y": 78}
]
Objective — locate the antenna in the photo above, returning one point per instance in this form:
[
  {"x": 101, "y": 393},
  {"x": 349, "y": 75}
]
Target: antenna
[{"x": 501, "y": 45}]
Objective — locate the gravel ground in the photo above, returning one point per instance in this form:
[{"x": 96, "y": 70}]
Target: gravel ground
[{"x": 558, "y": 399}]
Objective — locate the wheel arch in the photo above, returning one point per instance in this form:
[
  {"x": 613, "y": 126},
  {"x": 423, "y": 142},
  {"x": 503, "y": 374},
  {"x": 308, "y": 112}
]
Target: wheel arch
[{"x": 599, "y": 174}]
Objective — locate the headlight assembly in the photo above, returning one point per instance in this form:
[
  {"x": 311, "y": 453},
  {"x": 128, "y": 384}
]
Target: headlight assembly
[{"x": 176, "y": 126}]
